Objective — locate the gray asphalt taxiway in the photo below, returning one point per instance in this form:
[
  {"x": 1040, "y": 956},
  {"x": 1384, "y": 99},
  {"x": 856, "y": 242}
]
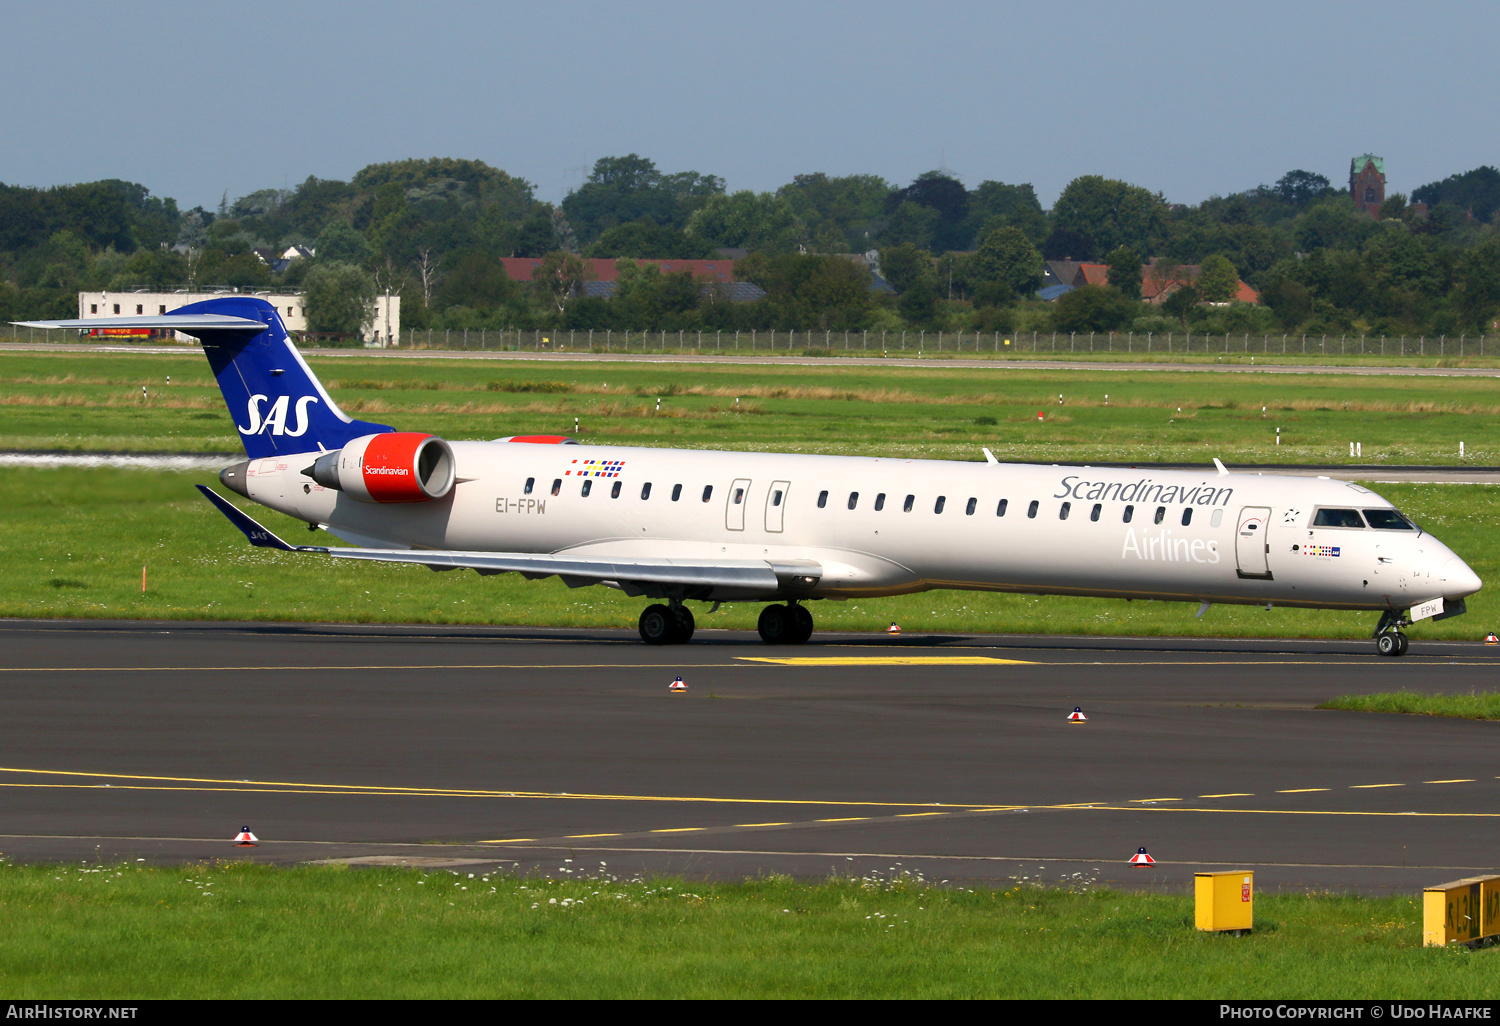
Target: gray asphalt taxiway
[{"x": 555, "y": 751}]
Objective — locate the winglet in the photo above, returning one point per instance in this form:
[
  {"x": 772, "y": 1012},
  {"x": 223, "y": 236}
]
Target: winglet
[
  {"x": 258, "y": 535},
  {"x": 988, "y": 456},
  {"x": 1222, "y": 469}
]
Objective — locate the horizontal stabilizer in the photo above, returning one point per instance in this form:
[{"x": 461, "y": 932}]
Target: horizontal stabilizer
[
  {"x": 259, "y": 536},
  {"x": 189, "y": 323}
]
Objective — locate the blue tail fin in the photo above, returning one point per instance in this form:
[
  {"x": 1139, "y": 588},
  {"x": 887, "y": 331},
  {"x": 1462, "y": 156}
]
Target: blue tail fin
[{"x": 277, "y": 403}]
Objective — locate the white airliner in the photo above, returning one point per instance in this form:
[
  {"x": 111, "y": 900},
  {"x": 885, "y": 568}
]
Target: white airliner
[{"x": 673, "y": 525}]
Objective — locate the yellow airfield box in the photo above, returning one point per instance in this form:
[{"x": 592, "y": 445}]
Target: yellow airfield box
[
  {"x": 1225, "y": 901},
  {"x": 1465, "y": 911}
]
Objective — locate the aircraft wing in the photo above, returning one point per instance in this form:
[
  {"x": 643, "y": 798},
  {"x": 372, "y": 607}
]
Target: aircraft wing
[
  {"x": 576, "y": 571},
  {"x": 188, "y": 323}
]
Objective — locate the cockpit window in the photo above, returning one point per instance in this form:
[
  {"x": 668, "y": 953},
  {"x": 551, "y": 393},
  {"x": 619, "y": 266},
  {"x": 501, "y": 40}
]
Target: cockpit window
[
  {"x": 1388, "y": 520},
  {"x": 1338, "y": 518}
]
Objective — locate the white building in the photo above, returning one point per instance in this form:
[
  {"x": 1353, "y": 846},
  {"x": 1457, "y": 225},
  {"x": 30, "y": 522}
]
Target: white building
[{"x": 384, "y": 330}]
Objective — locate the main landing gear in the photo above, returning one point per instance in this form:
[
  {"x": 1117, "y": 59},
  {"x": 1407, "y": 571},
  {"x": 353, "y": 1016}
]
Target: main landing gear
[
  {"x": 1389, "y": 641},
  {"x": 672, "y": 624},
  {"x": 666, "y": 625},
  {"x": 790, "y": 624}
]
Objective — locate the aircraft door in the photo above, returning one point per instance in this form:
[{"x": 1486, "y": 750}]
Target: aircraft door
[
  {"x": 734, "y": 508},
  {"x": 776, "y": 505},
  {"x": 1250, "y": 544}
]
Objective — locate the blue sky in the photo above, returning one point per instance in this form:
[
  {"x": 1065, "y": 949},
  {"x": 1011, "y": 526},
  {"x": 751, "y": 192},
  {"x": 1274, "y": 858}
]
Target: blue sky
[{"x": 1191, "y": 99}]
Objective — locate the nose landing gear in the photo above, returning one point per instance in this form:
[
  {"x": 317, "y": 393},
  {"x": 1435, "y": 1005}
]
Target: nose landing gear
[
  {"x": 1389, "y": 641},
  {"x": 790, "y": 624}
]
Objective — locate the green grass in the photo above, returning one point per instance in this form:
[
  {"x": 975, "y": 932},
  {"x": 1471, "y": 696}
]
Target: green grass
[
  {"x": 73, "y": 541},
  {"x": 240, "y": 930},
  {"x": 1477, "y": 705},
  {"x": 93, "y": 401}
]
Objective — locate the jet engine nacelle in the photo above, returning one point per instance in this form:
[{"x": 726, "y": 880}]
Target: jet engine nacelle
[{"x": 397, "y": 466}]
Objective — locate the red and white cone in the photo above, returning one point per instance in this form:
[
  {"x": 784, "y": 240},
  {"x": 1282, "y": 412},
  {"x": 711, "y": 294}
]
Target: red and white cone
[
  {"x": 1077, "y": 716},
  {"x": 1040, "y": 415},
  {"x": 245, "y": 839},
  {"x": 1142, "y": 858},
  {"x": 1492, "y": 639},
  {"x": 677, "y": 685},
  {"x": 894, "y": 628}
]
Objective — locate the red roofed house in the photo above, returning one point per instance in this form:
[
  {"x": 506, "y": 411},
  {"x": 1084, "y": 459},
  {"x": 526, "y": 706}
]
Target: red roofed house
[
  {"x": 1092, "y": 274},
  {"x": 1160, "y": 281},
  {"x": 606, "y": 275},
  {"x": 1157, "y": 282},
  {"x": 520, "y": 268}
]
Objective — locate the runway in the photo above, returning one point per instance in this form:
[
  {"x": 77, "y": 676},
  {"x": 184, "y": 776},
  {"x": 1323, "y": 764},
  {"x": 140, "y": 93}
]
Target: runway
[{"x": 556, "y": 751}]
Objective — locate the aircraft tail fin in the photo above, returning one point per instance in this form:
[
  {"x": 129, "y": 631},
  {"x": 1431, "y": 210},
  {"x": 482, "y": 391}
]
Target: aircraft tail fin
[{"x": 278, "y": 405}]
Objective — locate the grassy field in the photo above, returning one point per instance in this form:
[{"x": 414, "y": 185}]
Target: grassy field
[
  {"x": 73, "y": 541},
  {"x": 94, "y": 401},
  {"x": 239, "y": 930},
  {"x": 1479, "y": 705}
]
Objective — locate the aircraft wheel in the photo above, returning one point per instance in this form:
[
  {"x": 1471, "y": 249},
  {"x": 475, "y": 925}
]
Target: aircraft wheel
[
  {"x": 1389, "y": 643},
  {"x": 776, "y": 625},
  {"x": 657, "y": 625},
  {"x": 802, "y": 625},
  {"x": 1405, "y": 643},
  {"x": 683, "y": 625}
]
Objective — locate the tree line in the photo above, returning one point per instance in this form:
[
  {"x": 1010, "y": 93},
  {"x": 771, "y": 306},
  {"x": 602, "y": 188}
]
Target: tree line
[{"x": 954, "y": 258}]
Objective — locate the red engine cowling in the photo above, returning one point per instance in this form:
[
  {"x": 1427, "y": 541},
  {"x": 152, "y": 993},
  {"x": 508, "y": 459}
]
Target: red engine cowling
[{"x": 397, "y": 466}]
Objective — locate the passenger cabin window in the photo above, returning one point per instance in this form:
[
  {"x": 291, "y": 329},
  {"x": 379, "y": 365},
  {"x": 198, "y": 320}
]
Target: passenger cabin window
[
  {"x": 530, "y": 484},
  {"x": 556, "y": 486},
  {"x": 1216, "y": 519},
  {"x": 1062, "y": 514},
  {"x": 588, "y": 486},
  {"x": 853, "y": 499},
  {"x": 1129, "y": 513},
  {"x": 776, "y": 497},
  {"x": 1000, "y": 509},
  {"x": 1031, "y": 509},
  {"x": 906, "y": 506},
  {"x": 937, "y": 507},
  {"x": 822, "y": 498},
  {"x": 1388, "y": 520},
  {"x": 676, "y": 492},
  {"x": 708, "y": 491},
  {"x": 972, "y": 505},
  {"x": 1098, "y": 508},
  {"x": 646, "y": 491},
  {"x": 880, "y": 502},
  {"x": 1187, "y": 516},
  {"x": 1338, "y": 518},
  {"x": 739, "y": 496},
  {"x": 1161, "y": 514},
  {"x": 614, "y": 491}
]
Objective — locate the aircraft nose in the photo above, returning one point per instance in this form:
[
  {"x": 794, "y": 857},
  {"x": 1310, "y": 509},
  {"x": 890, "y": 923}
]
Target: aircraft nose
[{"x": 1459, "y": 580}]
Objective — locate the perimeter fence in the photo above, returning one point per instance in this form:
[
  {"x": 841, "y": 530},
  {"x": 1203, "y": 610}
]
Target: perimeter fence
[{"x": 895, "y": 343}]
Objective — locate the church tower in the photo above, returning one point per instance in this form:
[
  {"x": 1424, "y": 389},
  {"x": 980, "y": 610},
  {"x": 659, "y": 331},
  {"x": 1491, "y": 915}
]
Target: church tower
[{"x": 1367, "y": 183}]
